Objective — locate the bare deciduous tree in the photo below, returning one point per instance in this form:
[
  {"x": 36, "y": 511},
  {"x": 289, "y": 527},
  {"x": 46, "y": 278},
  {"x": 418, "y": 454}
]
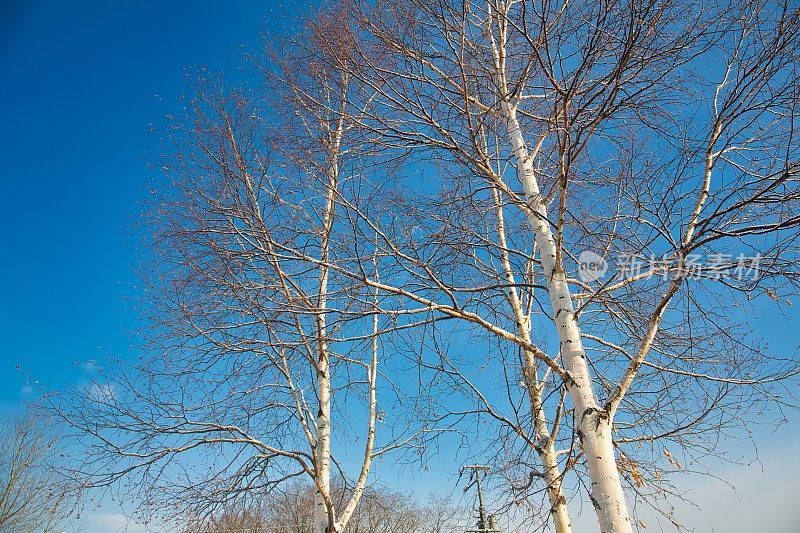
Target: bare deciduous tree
[
  {"x": 469, "y": 169},
  {"x": 32, "y": 497},
  {"x": 255, "y": 333},
  {"x": 635, "y": 130},
  {"x": 291, "y": 510}
]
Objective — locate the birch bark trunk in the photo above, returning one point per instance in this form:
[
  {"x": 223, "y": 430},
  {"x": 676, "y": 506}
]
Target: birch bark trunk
[
  {"x": 545, "y": 442},
  {"x": 594, "y": 423},
  {"x": 322, "y": 448},
  {"x": 552, "y": 473},
  {"x": 324, "y": 519},
  {"x": 322, "y": 451}
]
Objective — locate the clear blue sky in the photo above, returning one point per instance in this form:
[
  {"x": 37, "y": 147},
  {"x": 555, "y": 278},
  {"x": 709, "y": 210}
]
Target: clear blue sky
[{"x": 81, "y": 83}]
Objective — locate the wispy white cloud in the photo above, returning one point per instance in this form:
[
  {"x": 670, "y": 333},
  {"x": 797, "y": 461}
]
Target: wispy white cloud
[
  {"x": 102, "y": 391},
  {"x": 88, "y": 366}
]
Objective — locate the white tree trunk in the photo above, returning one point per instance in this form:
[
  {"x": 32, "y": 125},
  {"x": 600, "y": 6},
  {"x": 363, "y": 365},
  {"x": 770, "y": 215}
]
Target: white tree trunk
[
  {"x": 323, "y": 447},
  {"x": 323, "y": 510},
  {"x": 552, "y": 475},
  {"x": 372, "y": 379},
  {"x": 546, "y": 447},
  {"x": 594, "y": 423},
  {"x": 322, "y": 444},
  {"x": 607, "y": 495}
]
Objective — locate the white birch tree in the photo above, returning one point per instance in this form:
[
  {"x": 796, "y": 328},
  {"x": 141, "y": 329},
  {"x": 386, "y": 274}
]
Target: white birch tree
[
  {"x": 626, "y": 129},
  {"x": 442, "y": 176},
  {"x": 255, "y": 342}
]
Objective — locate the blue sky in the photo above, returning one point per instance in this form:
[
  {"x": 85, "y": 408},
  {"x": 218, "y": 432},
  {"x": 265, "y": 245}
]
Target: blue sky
[{"x": 82, "y": 82}]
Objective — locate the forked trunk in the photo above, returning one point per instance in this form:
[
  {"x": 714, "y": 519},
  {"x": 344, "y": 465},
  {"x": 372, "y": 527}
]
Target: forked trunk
[
  {"x": 594, "y": 424},
  {"x": 324, "y": 519},
  {"x": 595, "y": 428},
  {"x": 546, "y": 447}
]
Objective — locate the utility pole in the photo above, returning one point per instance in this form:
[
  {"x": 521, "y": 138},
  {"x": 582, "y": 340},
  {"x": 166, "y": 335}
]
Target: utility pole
[{"x": 486, "y": 524}]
